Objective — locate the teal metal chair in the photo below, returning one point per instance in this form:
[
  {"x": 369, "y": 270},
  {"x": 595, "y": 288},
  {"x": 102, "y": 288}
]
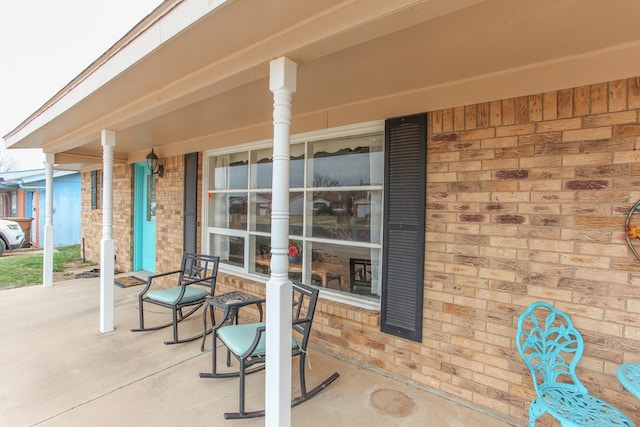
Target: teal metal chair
[
  {"x": 551, "y": 348},
  {"x": 194, "y": 283}
]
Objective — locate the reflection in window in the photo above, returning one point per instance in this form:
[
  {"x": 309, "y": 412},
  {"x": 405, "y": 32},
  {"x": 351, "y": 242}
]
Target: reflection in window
[
  {"x": 335, "y": 211},
  {"x": 346, "y": 215},
  {"x": 151, "y": 198},
  {"x": 230, "y": 172},
  {"x": 96, "y": 189},
  {"x": 229, "y": 210},
  {"x": 296, "y": 166},
  {"x": 347, "y": 162},
  {"x": 230, "y": 249},
  {"x": 261, "y": 168},
  {"x": 346, "y": 268},
  {"x": 9, "y": 204},
  {"x": 261, "y": 212}
]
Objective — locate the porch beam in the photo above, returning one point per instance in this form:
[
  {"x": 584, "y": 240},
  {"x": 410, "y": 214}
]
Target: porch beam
[
  {"x": 282, "y": 83},
  {"x": 107, "y": 247},
  {"x": 47, "y": 262}
]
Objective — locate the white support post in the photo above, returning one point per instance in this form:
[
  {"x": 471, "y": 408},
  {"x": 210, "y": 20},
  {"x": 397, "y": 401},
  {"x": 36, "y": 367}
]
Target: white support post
[
  {"x": 107, "y": 247},
  {"x": 282, "y": 83},
  {"x": 47, "y": 262}
]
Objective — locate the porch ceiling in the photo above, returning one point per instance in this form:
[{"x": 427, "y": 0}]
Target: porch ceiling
[{"x": 191, "y": 78}]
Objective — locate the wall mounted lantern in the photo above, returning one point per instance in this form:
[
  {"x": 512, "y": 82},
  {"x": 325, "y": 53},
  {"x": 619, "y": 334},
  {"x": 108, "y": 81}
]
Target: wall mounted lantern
[{"x": 152, "y": 163}]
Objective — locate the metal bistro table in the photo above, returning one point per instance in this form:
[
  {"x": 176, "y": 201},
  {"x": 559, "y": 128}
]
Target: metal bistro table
[
  {"x": 629, "y": 376},
  {"x": 229, "y": 303}
]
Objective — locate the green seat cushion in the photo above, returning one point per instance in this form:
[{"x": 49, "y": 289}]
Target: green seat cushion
[
  {"x": 238, "y": 338},
  {"x": 170, "y": 296}
]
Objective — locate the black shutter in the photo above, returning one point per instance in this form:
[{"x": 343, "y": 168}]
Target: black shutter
[
  {"x": 190, "y": 231},
  {"x": 94, "y": 190},
  {"x": 404, "y": 226}
]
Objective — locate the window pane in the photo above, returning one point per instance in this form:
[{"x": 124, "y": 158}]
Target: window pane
[
  {"x": 230, "y": 249},
  {"x": 230, "y": 172},
  {"x": 346, "y": 268},
  {"x": 151, "y": 198},
  {"x": 228, "y": 210},
  {"x": 353, "y": 161},
  {"x": 261, "y": 212},
  {"x": 262, "y": 254},
  {"x": 262, "y": 168},
  {"x": 296, "y": 166},
  {"x": 238, "y": 210},
  {"x": 346, "y": 215},
  {"x": 14, "y": 203},
  {"x": 296, "y": 213}
]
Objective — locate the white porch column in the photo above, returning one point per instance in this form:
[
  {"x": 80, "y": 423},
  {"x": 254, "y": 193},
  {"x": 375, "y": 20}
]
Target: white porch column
[
  {"x": 47, "y": 262},
  {"x": 107, "y": 249},
  {"x": 282, "y": 82}
]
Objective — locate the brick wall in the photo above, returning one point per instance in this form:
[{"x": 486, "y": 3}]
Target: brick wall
[
  {"x": 91, "y": 228},
  {"x": 170, "y": 213},
  {"x": 527, "y": 200}
]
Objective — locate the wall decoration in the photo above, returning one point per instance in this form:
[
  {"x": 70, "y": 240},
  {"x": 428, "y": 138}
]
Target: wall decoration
[{"x": 632, "y": 228}]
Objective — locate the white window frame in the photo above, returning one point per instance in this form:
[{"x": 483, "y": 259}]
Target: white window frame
[{"x": 207, "y": 231}]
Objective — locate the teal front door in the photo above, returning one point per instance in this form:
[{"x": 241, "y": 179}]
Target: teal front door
[{"x": 144, "y": 211}]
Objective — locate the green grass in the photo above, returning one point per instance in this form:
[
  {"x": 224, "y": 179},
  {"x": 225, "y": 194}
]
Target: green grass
[{"x": 26, "y": 270}]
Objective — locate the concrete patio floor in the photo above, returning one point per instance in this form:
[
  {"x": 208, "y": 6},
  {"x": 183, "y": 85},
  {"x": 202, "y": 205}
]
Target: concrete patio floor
[{"x": 58, "y": 370}]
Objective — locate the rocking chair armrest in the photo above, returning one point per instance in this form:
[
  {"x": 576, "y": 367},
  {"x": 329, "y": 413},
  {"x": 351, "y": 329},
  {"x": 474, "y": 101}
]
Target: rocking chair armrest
[
  {"x": 259, "y": 331},
  {"x": 232, "y": 306},
  {"x": 155, "y": 276},
  {"x": 151, "y": 277},
  {"x": 226, "y": 315}
]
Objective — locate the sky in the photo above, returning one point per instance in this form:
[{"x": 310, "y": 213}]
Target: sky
[{"x": 44, "y": 44}]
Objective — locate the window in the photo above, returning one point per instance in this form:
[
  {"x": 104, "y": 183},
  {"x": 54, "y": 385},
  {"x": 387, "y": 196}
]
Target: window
[
  {"x": 96, "y": 189},
  {"x": 335, "y": 208},
  {"x": 9, "y": 204},
  {"x": 151, "y": 198}
]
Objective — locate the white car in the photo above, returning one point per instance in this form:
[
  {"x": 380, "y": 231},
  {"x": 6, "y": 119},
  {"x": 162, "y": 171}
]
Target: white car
[{"x": 11, "y": 235}]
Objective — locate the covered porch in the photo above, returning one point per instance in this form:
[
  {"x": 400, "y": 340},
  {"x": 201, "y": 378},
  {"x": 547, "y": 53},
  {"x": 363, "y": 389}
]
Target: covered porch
[
  {"x": 532, "y": 138},
  {"x": 59, "y": 370}
]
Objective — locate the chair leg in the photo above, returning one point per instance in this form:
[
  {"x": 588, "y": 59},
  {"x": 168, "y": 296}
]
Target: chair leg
[
  {"x": 214, "y": 366},
  {"x": 535, "y": 410},
  {"x": 214, "y": 352},
  {"x": 207, "y": 310},
  {"x": 241, "y": 401},
  {"x": 141, "y": 312},
  {"x": 178, "y": 316},
  {"x": 175, "y": 323},
  {"x": 303, "y": 382},
  {"x": 204, "y": 328}
]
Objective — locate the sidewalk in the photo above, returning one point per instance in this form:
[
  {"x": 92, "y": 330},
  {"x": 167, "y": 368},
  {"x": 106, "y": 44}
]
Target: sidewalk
[{"x": 58, "y": 370}]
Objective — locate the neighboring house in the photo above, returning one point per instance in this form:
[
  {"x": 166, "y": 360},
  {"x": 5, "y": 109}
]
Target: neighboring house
[
  {"x": 23, "y": 196},
  {"x": 528, "y": 114}
]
